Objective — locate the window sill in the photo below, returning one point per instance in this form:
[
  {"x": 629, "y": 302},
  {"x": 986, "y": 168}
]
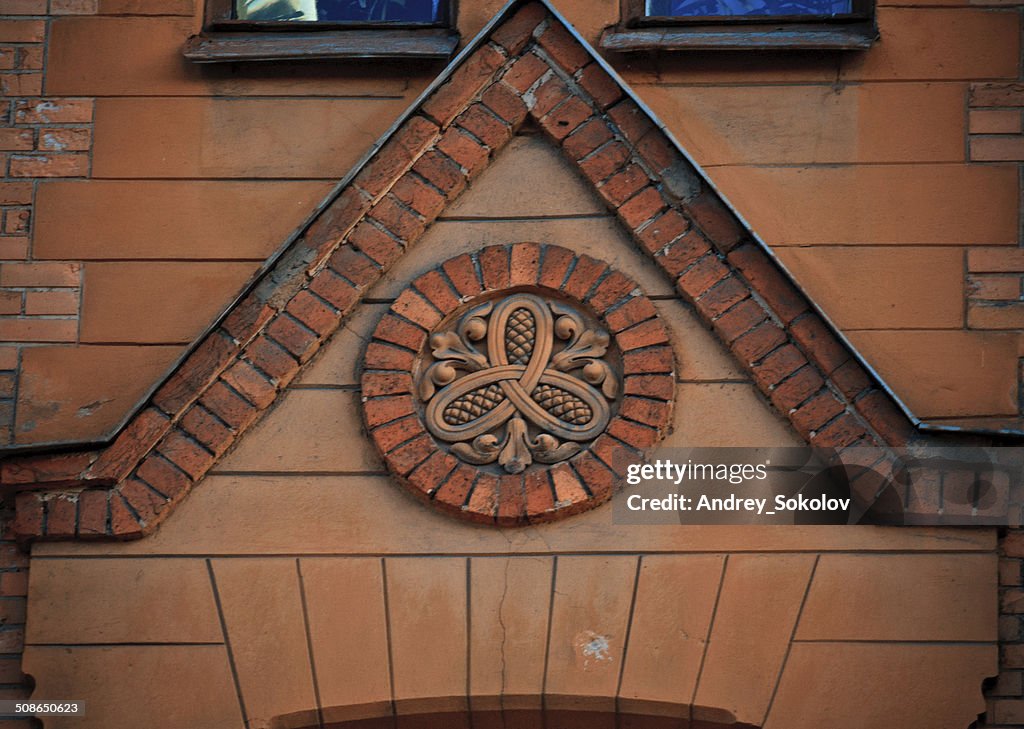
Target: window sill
[
  {"x": 845, "y": 37},
  {"x": 215, "y": 47}
]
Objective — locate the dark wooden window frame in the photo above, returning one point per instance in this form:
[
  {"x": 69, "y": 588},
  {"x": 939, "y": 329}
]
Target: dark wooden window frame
[
  {"x": 640, "y": 32},
  {"x": 226, "y": 38}
]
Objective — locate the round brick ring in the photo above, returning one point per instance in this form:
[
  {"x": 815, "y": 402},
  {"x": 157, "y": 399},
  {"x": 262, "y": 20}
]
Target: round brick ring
[{"x": 506, "y": 386}]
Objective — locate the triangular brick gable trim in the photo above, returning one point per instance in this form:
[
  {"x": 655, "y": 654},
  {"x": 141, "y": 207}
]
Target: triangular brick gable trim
[{"x": 526, "y": 65}]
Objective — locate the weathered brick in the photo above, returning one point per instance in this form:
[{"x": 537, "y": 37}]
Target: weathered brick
[
  {"x": 701, "y": 276},
  {"x": 883, "y": 415},
  {"x": 465, "y": 82},
  {"x": 540, "y": 496},
  {"x": 613, "y": 289},
  {"x": 566, "y": 117},
  {"x": 779, "y": 365},
  {"x": 657, "y": 386},
  {"x": 482, "y": 123},
  {"x": 330, "y": 287},
  {"x": 442, "y": 172},
  {"x": 400, "y": 332},
  {"x": 200, "y": 369},
  {"x": 720, "y": 226},
  {"x": 505, "y": 103},
  {"x": 247, "y": 318},
  {"x": 586, "y": 138},
  {"x": 418, "y": 195},
  {"x": 524, "y": 264},
  {"x": 648, "y": 361},
  {"x": 462, "y": 273},
  {"x": 143, "y": 500},
  {"x": 494, "y": 267},
  {"x": 436, "y": 290},
  {"x": 511, "y": 499},
  {"x": 70, "y": 164},
  {"x": 250, "y": 383},
  {"x": 555, "y": 266},
  {"x": 653, "y": 413},
  {"x": 482, "y": 504},
  {"x": 273, "y": 359},
  {"x": 53, "y": 111},
  {"x": 138, "y": 437},
  {"x": 605, "y": 161},
  {"x": 16, "y": 139},
  {"x": 647, "y": 334},
  {"x": 386, "y": 383},
  {"x": 563, "y": 48},
  {"x": 123, "y": 522},
  {"x": 816, "y": 412},
  {"x": 681, "y": 254},
  {"x": 466, "y": 151},
  {"x": 624, "y": 184},
  {"x": 164, "y": 477},
  {"x": 354, "y": 266},
  {"x": 632, "y": 121},
  {"x": 206, "y": 428},
  {"x": 377, "y": 245},
  {"x": 414, "y": 136},
  {"x": 335, "y": 221},
  {"x": 739, "y": 320},
  {"x": 601, "y": 87},
  {"x": 851, "y": 379},
  {"x": 229, "y": 406},
  {"x": 769, "y": 282},
  {"x": 797, "y": 388},
  {"x": 61, "y": 517},
  {"x": 722, "y": 296},
  {"x": 92, "y": 513},
  {"x": 634, "y": 311},
  {"x": 399, "y": 220},
  {"x": 390, "y": 436},
  {"x": 385, "y": 357},
  {"x": 587, "y": 272},
  {"x": 381, "y": 410},
  {"x": 313, "y": 312},
  {"x": 821, "y": 345},
  {"x": 29, "y": 512},
  {"x": 454, "y": 492},
  {"x": 415, "y": 308},
  {"x": 758, "y": 342},
  {"x": 294, "y": 337},
  {"x": 517, "y": 31},
  {"x": 186, "y": 454},
  {"x": 525, "y": 72},
  {"x": 569, "y": 489}
]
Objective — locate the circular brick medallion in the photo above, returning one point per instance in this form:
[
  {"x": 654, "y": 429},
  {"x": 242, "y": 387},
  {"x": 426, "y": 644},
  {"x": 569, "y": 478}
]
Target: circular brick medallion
[{"x": 504, "y": 386}]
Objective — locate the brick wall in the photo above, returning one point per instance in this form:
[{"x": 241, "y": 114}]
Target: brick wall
[
  {"x": 13, "y": 591},
  {"x": 40, "y": 138}
]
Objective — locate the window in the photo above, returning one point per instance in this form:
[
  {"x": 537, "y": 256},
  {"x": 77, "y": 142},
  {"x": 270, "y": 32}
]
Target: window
[
  {"x": 743, "y": 24},
  {"x": 266, "y": 30}
]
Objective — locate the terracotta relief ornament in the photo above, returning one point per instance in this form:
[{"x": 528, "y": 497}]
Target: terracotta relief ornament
[
  {"x": 518, "y": 379},
  {"x": 511, "y": 385}
]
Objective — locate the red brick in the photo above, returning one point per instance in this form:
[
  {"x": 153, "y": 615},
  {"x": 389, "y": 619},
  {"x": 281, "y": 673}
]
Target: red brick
[
  {"x": 398, "y": 331},
  {"x": 482, "y": 504},
  {"x": 143, "y": 500},
  {"x": 462, "y": 273},
  {"x": 45, "y": 468},
  {"x": 436, "y": 290},
  {"x": 888, "y": 421},
  {"x": 273, "y": 359},
  {"x": 659, "y": 154},
  {"x": 681, "y": 254},
  {"x": 28, "y": 521},
  {"x": 385, "y": 357},
  {"x": 634, "y": 434},
  {"x": 313, "y": 312},
  {"x": 381, "y": 410},
  {"x": 779, "y": 365},
  {"x": 758, "y": 342},
  {"x": 123, "y": 522},
  {"x": 511, "y": 499},
  {"x": 796, "y": 389},
  {"x": 601, "y": 87},
  {"x": 248, "y": 318},
  {"x": 464, "y": 150},
  {"x": 722, "y": 296},
  {"x": 634, "y": 311},
  {"x": 624, "y": 184},
  {"x": 482, "y": 123},
  {"x": 632, "y": 121},
  {"x": 851, "y": 379},
  {"x": 666, "y": 228},
  {"x": 198, "y": 371},
  {"x": 494, "y": 267},
  {"x": 386, "y": 383},
  {"x": 739, "y": 320},
  {"x": 720, "y": 226},
  {"x": 657, "y": 386},
  {"x": 649, "y": 361},
  {"x": 70, "y": 164},
  {"x": 13, "y": 248},
  {"x": 377, "y": 245},
  {"x": 701, "y": 276},
  {"x": 207, "y": 429},
  {"x": 454, "y": 492},
  {"x": 601, "y": 482},
  {"x": 566, "y": 117},
  {"x": 548, "y": 95},
  {"x": 335, "y": 222},
  {"x": 465, "y": 82},
  {"x": 821, "y": 345},
  {"x": 816, "y": 412},
  {"x": 524, "y": 264},
  {"x": 653, "y": 413},
  {"x": 418, "y": 195},
  {"x": 586, "y": 273},
  {"x": 414, "y": 136},
  {"x": 15, "y": 193},
  {"x": 563, "y": 48},
  {"x": 555, "y": 266},
  {"x": 647, "y": 334},
  {"x": 540, "y": 496},
  {"x": 613, "y": 289},
  {"x": 61, "y": 140},
  {"x": 569, "y": 489},
  {"x": 390, "y": 436},
  {"x": 415, "y": 308},
  {"x": 641, "y": 207},
  {"x": 397, "y": 219},
  {"x": 53, "y": 111},
  {"x": 442, "y": 172},
  {"x": 505, "y": 103},
  {"x": 16, "y": 139},
  {"x": 92, "y": 513},
  {"x": 186, "y": 454},
  {"x": 587, "y": 138},
  {"x": 138, "y": 437},
  {"x": 601, "y": 164},
  {"x": 229, "y": 406},
  {"x": 293, "y": 336},
  {"x": 523, "y": 73},
  {"x": 769, "y": 282},
  {"x": 61, "y": 517},
  {"x": 516, "y": 32},
  {"x": 407, "y": 457},
  {"x": 164, "y": 477},
  {"x": 40, "y": 274},
  {"x": 334, "y": 289},
  {"x": 428, "y": 477},
  {"x": 841, "y": 432},
  {"x": 250, "y": 383}
]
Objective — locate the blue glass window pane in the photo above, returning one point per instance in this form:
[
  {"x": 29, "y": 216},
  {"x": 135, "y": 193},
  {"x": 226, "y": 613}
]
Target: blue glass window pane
[
  {"x": 706, "y": 8},
  {"x": 352, "y": 11}
]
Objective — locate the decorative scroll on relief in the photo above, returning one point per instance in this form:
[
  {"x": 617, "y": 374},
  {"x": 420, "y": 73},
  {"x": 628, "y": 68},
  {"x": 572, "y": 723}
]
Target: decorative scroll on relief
[{"x": 518, "y": 380}]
